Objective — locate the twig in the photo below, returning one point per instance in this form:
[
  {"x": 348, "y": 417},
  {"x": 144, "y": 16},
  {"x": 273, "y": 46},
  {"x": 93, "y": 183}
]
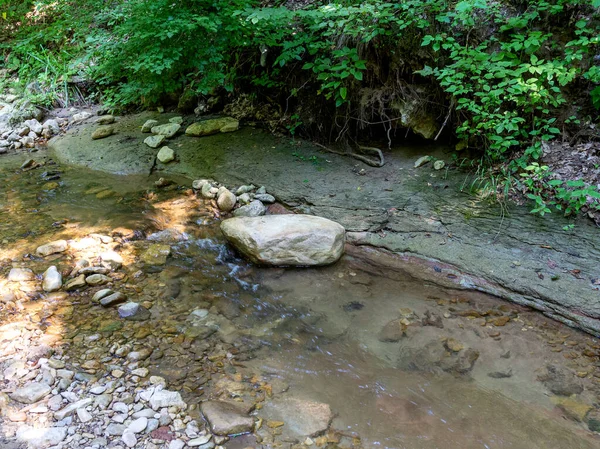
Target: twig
[{"x": 446, "y": 120}]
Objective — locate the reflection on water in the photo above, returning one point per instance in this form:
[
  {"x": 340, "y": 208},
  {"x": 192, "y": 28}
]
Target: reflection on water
[{"x": 401, "y": 364}]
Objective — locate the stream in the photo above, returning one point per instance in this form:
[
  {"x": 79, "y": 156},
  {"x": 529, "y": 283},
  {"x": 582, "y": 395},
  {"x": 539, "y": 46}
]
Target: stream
[{"x": 364, "y": 360}]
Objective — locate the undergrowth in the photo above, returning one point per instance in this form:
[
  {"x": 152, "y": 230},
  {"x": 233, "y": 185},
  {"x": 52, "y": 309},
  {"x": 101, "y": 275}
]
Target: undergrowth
[{"x": 504, "y": 77}]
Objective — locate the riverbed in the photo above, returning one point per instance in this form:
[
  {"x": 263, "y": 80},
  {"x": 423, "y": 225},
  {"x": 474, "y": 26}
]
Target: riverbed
[{"x": 346, "y": 356}]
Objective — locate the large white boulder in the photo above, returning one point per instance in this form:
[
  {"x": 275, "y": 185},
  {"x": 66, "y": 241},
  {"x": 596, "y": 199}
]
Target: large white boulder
[{"x": 286, "y": 239}]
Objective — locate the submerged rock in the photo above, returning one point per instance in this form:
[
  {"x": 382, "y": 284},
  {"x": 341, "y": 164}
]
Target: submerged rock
[
  {"x": 392, "y": 332},
  {"x": 156, "y": 254},
  {"x": 286, "y": 239},
  {"x": 133, "y": 311},
  {"x": 212, "y": 126},
  {"x": 75, "y": 283},
  {"x": 302, "y": 418},
  {"x": 560, "y": 382},
  {"x": 112, "y": 299},
  {"x": 226, "y": 418}
]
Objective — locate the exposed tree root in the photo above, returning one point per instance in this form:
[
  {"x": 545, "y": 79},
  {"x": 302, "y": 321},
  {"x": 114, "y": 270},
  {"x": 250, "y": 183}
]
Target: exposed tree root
[{"x": 380, "y": 162}]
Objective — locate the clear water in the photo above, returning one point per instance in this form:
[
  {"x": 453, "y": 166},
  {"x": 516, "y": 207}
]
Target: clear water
[{"x": 316, "y": 331}]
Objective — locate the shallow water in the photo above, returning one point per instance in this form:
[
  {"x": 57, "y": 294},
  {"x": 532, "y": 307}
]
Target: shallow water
[{"x": 316, "y": 331}]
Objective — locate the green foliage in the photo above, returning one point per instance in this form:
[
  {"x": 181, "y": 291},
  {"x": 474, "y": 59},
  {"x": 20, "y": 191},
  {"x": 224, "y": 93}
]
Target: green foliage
[
  {"x": 568, "y": 197},
  {"x": 507, "y": 69}
]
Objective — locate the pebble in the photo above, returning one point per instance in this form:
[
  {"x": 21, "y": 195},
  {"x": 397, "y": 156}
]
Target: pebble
[
  {"x": 52, "y": 279},
  {"x": 97, "y": 279},
  {"x": 114, "y": 429},
  {"x": 20, "y": 275},
  {"x": 129, "y": 439},
  {"x": 138, "y": 425},
  {"x": 176, "y": 444},
  {"x": 83, "y": 415}
]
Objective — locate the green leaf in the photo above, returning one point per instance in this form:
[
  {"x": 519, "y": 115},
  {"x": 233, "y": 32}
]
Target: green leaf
[{"x": 343, "y": 92}]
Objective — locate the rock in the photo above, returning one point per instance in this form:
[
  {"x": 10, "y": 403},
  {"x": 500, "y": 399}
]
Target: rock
[
  {"x": 422, "y": 161},
  {"x": 265, "y": 198},
  {"x": 156, "y": 254},
  {"x": 34, "y": 126},
  {"x": 593, "y": 420},
  {"x": 573, "y": 407},
  {"x": 20, "y": 275},
  {"x": 226, "y": 418},
  {"x": 81, "y": 116},
  {"x": 31, "y": 392},
  {"x": 72, "y": 408},
  {"x": 41, "y": 437},
  {"x": 83, "y": 415},
  {"x": 453, "y": 345},
  {"x": 199, "y": 183},
  {"x": 254, "y": 209},
  {"x": 97, "y": 279},
  {"x": 58, "y": 246},
  {"x": 113, "y": 299},
  {"x": 148, "y": 125},
  {"x": 105, "y": 120},
  {"x": 129, "y": 438},
  {"x": 134, "y": 312},
  {"x": 102, "y": 294},
  {"x": 138, "y": 425},
  {"x": 75, "y": 283},
  {"x": 438, "y": 165},
  {"x": 226, "y": 200},
  {"x": 501, "y": 374},
  {"x": 176, "y": 444},
  {"x": 392, "y": 332},
  {"x": 208, "y": 191},
  {"x": 154, "y": 141},
  {"x": 168, "y": 130},
  {"x": 212, "y": 126},
  {"x": 245, "y": 189},
  {"x": 112, "y": 258},
  {"x": 165, "y": 155},
  {"x": 52, "y": 126},
  {"x": 500, "y": 321},
  {"x": 560, "y": 382},
  {"x": 52, "y": 279},
  {"x": 178, "y": 120},
  {"x": 303, "y": 418},
  {"x": 166, "y": 398},
  {"x": 114, "y": 429},
  {"x": 244, "y": 198},
  {"x": 286, "y": 239},
  {"x": 102, "y": 132},
  {"x": 432, "y": 319}
]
